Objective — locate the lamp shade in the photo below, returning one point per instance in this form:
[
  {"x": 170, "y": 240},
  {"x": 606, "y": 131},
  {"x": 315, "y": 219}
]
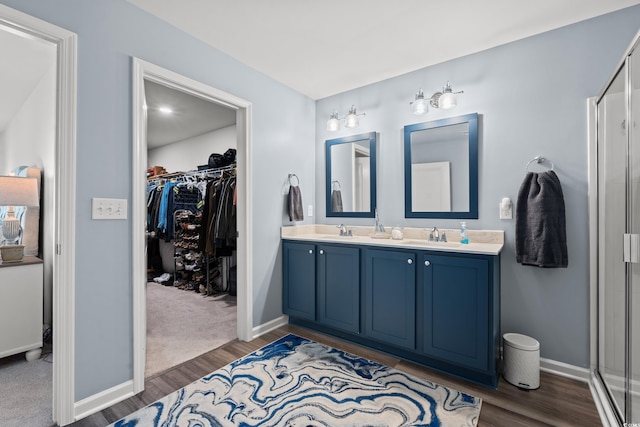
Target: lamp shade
[
  {"x": 333, "y": 124},
  {"x": 18, "y": 191},
  {"x": 351, "y": 121},
  {"x": 447, "y": 101}
]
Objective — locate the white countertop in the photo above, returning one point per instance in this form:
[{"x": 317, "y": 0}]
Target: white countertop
[{"x": 487, "y": 242}]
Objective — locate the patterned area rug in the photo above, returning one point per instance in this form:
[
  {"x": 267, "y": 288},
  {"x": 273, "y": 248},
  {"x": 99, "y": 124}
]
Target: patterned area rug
[{"x": 297, "y": 382}]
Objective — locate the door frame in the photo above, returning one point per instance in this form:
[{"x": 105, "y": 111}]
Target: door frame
[
  {"x": 63, "y": 302},
  {"x": 144, "y": 70}
]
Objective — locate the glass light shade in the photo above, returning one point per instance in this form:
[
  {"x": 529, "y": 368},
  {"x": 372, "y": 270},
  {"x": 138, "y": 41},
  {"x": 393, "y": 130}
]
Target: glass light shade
[
  {"x": 351, "y": 121},
  {"x": 447, "y": 101},
  {"x": 333, "y": 124},
  {"x": 419, "y": 106}
]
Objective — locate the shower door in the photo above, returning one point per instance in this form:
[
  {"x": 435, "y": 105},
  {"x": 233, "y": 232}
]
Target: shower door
[
  {"x": 612, "y": 220},
  {"x": 634, "y": 306},
  {"x": 618, "y": 153}
]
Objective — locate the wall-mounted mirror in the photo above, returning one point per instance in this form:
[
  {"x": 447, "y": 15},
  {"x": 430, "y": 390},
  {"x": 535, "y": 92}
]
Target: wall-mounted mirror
[
  {"x": 351, "y": 176},
  {"x": 441, "y": 168}
]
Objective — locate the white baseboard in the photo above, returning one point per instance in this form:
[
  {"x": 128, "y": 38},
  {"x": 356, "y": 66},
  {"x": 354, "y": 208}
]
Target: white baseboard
[
  {"x": 102, "y": 400},
  {"x": 270, "y": 326},
  {"x": 564, "y": 370}
]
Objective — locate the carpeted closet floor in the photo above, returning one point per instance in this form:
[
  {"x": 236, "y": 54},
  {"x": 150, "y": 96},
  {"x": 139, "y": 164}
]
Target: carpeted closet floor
[{"x": 184, "y": 324}]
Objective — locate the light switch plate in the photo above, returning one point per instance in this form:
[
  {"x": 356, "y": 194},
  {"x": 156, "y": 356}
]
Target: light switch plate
[{"x": 108, "y": 208}]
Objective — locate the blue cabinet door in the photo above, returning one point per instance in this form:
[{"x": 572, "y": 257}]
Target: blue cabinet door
[
  {"x": 299, "y": 280},
  {"x": 455, "y": 312},
  {"x": 339, "y": 287},
  {"x": 390, "y": 297}
]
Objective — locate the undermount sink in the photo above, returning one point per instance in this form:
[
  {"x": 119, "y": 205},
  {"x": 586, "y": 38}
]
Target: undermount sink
[{"x": 432, "y": 244}]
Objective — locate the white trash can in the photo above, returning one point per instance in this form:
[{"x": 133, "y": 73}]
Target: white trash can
[{"x": 521, "y": 361}]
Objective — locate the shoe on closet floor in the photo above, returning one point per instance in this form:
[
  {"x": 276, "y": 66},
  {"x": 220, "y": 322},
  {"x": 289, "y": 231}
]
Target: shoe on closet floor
[{"x": 163, "y": 278}]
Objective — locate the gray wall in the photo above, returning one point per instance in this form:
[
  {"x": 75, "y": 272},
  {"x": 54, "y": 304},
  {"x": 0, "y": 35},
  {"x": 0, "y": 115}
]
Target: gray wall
[
  {"x": 109, "y": 34},
  {"x": 532, "y": 99}
]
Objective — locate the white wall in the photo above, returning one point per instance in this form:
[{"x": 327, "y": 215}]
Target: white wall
[
  {"x": 189, "y": 153},
  {"x": 30, "y": 141}
]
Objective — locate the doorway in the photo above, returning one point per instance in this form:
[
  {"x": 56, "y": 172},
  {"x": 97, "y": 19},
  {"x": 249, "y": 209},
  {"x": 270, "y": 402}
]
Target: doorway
[
  {"x": 191, "y": 257},
  {"x": 58, "y": 224},
  {"x": 144, "y": 72}
]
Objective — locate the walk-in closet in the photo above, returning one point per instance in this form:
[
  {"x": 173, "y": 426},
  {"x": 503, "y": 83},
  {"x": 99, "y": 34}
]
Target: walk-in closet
[{"x": 191, "y": 230}]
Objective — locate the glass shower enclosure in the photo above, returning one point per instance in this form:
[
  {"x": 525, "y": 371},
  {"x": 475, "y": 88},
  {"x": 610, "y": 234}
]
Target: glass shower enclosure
[{"x": 617, "y": 366}]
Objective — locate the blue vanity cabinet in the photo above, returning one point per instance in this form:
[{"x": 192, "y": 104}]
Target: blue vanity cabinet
[
  {"x": 390, "y": 293},
  {"x": 456, "y": 309},
  {"x": 299, "y": 284},
  {"x": 338, "y": 287},
  {"x": 459, "y": 305},
  {"x": 440, "y": 309},
  {"x": 322, "y": 284}
]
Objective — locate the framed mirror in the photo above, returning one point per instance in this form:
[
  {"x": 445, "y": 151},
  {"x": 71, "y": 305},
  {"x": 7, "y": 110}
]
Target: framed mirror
[
  {"x": 351, "y": 176},
  {"x": 441, "y": 168}
]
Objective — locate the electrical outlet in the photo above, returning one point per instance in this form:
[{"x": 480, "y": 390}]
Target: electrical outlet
[
  {"x": 108, "y": 208},
  {"x": 506, "y": 213}
]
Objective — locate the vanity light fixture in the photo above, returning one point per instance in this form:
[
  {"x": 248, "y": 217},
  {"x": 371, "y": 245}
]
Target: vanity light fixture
[
  {"x": 444, "y": 100},
  {"x": 333, "y": 124},
  {"x": 350, "y": 121}
]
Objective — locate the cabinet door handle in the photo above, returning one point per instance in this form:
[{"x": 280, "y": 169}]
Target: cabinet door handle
[
  {"x": 321, "y": 252},
  {"x": 427, "y": 263},
  {"x": 310, "y": 251},
  {"x": 409, "y": 261}
]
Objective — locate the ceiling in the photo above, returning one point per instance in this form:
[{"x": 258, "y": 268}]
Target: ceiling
[
  {"x": 24, "y": 63},
  {"x": 324, "y": 48},
  {"x": 191, "y": 116}
]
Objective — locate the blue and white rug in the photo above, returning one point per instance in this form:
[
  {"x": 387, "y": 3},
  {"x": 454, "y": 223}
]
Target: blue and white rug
[{"x": 295, "y": 382}]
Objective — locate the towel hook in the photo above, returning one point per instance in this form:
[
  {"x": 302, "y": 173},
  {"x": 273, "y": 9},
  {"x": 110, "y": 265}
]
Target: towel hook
[
  {"x": 293, "y": 175},
  {"x": 539, "y": 160},
  {"x": 336, "y": 185}
]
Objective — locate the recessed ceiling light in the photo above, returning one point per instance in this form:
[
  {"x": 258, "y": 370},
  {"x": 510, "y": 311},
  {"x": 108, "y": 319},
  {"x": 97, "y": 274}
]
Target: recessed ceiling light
[{"x": 165, "y": 110}]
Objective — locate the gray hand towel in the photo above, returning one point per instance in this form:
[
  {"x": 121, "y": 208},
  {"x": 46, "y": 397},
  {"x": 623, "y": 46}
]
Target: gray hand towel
[
  {"x": 295, "y": 204},
  {"x": 541, "y": 233},
  {"x": 336, "y": 201}
]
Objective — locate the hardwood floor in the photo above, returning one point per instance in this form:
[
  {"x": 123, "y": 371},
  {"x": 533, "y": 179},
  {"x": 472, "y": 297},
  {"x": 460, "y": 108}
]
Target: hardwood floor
[{"x": 558, "y": 402}]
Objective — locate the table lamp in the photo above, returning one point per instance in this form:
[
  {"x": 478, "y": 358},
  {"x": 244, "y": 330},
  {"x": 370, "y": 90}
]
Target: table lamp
[{"x": 15, "y": 191}]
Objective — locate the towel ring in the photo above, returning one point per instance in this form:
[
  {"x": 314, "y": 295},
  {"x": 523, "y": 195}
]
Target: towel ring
[
  {"x": 336, "y": 185},
  {"x": 293, "y": 175},
  {"x": 539, "y": 160}
]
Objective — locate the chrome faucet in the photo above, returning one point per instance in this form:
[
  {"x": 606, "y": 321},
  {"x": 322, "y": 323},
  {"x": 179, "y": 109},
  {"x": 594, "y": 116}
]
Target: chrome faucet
[
  {"x": 379, "y": 226},
  {"x": 344, "y": 232},
  {"x": 435, "y": 236}
]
